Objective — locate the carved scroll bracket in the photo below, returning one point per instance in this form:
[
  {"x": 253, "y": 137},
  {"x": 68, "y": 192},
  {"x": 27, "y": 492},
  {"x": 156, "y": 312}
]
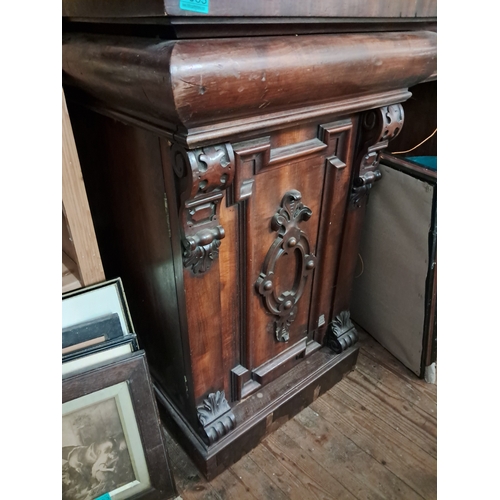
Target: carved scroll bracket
[
  {"x": 290, "y": 239},
  {"x": 215, "y": 416},
  {"x": 378, "y": 127},
  {"x": 341, "y": 333},
  {"x": 202, "y": 176}
]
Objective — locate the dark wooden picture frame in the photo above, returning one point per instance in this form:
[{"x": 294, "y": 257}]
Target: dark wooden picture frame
[
  {"x": 96, "y": 355},
  {"x": 130, "y": 372}
]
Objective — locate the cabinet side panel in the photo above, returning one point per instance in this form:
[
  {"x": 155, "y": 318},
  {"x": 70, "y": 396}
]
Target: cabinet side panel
[{"x": 123, "y": 174}]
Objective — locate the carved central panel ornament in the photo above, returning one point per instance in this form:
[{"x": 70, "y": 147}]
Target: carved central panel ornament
[{"x": 290, "y": 239}]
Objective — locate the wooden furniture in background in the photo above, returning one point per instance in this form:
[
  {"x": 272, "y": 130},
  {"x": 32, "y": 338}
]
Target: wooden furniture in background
[
  {"x": 81, "y": 261},
  {"x": 228, "y": 180}
]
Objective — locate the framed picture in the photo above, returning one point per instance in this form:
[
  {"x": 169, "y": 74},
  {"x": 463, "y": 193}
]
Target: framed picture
[
  {"x": 93, "y": 315},
  {"x": 112, "y": 442},
  {"x": 90, "y": 333},
  {"x": 94, "y": 355}
]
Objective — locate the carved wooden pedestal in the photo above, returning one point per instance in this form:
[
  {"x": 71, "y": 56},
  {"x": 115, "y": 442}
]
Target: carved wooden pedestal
[{"x": 228, "y": 181}]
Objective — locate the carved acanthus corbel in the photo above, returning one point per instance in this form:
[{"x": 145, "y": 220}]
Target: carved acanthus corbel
[
  {"x": 341, "y": 333},
  {"x": 202, "y": 177},
  {"x": 215, "y": 416},
  {"x": 378, "y": 127}
]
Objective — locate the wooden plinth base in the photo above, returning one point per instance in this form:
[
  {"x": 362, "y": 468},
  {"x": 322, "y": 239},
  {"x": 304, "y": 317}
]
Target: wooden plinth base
[{"x": 260, "y": 413}]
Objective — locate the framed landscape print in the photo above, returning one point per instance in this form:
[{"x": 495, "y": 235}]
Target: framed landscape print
[{"x": 112, "y": 443}]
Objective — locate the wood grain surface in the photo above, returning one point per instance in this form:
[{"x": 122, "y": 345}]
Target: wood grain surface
[{"x": 208, "y": 89}]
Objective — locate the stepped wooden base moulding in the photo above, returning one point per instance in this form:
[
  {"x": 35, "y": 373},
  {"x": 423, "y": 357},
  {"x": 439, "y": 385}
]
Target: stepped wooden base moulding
[
  {"x": 261, "y": 413},
  {"x": 228, "y": 180}
]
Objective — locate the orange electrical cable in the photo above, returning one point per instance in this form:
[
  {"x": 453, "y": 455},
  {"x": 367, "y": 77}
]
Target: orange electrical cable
[{"x": 415, "y": 147}]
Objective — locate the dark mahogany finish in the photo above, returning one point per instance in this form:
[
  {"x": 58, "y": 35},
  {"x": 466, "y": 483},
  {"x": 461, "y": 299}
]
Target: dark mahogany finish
[{"x": 228, "y": 180}]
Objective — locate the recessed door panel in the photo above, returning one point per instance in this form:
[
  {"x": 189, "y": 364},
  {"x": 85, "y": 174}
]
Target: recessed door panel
[
  {"x": 283, "y": 224},
  {"x": 283, "y": 194}
]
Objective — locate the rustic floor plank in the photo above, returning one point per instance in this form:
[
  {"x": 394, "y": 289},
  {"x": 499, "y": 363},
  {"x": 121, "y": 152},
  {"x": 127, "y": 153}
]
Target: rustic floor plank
[
  {"x": 371, "y": 437},
  {"x": 287, "y": 481},
  {"x": 373, "y": 424},
  {"x": 379, "y": 444},
  {"x": 257, "y": 480},
  {"x": 415, "y": 397},
  {"x": 394, "y": 410},
  {"x": 320, "y": 483},
  {"x": 411, "y": 404},
  {"x": 229, "y": 486},
  {"x": 372, "y": 349},
  {"x": 366, "y": 478}
]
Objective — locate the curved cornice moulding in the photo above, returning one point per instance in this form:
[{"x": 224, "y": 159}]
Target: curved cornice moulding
[{"x": 215, "y": 87}]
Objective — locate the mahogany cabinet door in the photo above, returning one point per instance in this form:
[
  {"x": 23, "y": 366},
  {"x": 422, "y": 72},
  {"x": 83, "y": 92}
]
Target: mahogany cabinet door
[{"x": 287, "y": 207}]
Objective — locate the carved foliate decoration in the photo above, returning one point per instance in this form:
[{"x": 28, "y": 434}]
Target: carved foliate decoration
[
  {"x": 378, "y": 127},
  {"x": 202, "y": 249},
  {"x": 215, "y": 416},
  {"x": 202, "y": 176},
  {"x": 341, "y": 333},
  {"x": 290, "y": 239}
]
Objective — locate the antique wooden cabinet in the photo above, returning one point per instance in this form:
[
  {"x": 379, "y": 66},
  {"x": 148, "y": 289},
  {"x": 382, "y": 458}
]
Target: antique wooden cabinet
[{"x": 228, "y": 178}]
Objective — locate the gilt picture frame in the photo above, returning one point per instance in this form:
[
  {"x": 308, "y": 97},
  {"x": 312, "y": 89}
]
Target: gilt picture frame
[{"x": 112, "y": 442}]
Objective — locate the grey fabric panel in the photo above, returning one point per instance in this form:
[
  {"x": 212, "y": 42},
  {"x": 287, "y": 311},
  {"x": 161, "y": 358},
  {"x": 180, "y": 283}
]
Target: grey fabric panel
[{"x": 389, "y": 296}]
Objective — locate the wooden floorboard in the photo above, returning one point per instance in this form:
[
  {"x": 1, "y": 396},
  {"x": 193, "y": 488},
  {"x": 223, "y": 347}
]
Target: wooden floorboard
[{"x": 372, "y": 436}]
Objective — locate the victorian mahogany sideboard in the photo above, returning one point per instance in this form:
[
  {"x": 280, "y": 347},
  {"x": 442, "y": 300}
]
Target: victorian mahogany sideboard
[{"x": 228, "y": 155}]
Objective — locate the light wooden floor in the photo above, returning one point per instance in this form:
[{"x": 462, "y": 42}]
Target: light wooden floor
[{"x": 372, "y": 436}]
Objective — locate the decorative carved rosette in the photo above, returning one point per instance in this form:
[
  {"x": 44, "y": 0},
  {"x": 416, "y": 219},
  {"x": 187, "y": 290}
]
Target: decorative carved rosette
[
  {"x": 378, "y": 127},
  {"x": 290, "y": 239},
  {"x": 341, "y": 333},
  {"x": 215, "y": 416},
  {"x": 202, "y": 176}
]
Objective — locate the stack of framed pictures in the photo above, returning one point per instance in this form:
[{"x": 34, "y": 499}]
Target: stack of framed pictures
[
  {"x": 112, "y": 442},
  {"x": 96, "y": 326}
]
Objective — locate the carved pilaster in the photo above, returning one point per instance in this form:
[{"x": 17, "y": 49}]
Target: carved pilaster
[
  {"x": 341, "y": 333},
  {"x": 378, "y": 127},
  {"x": 290, "y": 239},
  {"x": 215, "y": 416},
  {"x": 202, "y": 176}
]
